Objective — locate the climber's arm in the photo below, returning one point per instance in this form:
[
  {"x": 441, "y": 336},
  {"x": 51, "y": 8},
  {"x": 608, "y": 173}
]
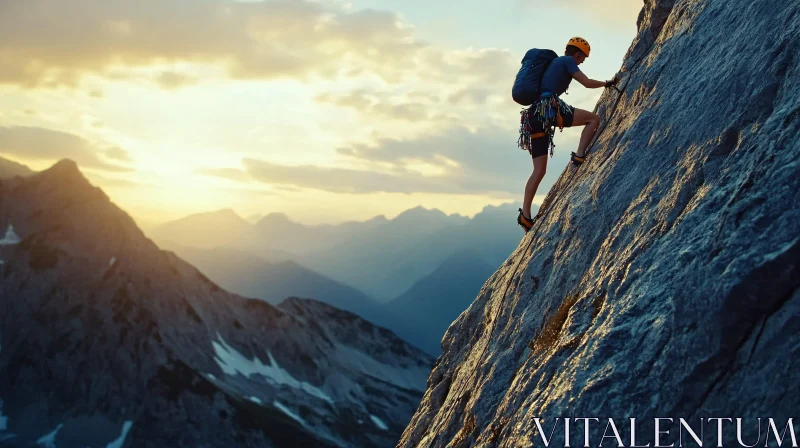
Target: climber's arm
[{"x": 586, "y": 82}]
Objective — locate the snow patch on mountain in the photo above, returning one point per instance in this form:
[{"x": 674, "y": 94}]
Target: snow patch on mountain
[
  {"x": 121, "y": 439},
  {"x": 11, "y": 237},
  {"x": 378, "y": 422},
  {"x": 3, "y": 419},
  {"x": 155, "y": 368},
  {"x": 288, "y": 412},
  {"x": 232, "y": 362},
  {"x": 49, "y": 440},
  {"x": 255, "y": 400}
]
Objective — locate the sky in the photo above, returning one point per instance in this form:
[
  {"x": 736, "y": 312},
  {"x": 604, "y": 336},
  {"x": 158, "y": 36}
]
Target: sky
[{"x": 325, "y": 110}]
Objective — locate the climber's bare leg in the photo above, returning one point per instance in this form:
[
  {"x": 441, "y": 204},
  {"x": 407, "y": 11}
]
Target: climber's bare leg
[
  {"x": 592, "y": 122},
  {"x": 539, "y": 169}
]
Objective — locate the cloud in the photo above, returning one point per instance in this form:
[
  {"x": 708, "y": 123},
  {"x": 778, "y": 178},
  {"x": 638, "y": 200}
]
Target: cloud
[
  {"x": 117, "y": 153},
  {"x": 418, "y": 106},
  {"x": 235, "y": 174},
  {"x": 486, "y": 160},
  {"x": 174, "y": 80},
  {"x": 483, "y": 66},
  {"x": 342, "y": 180},
  {"x": 33, "y": 143},
  {"x": 379, "y": 104},
  {"x": 356, "y": 99},
  {"x": 616, "y": 12},
  {"x": 483, "y": 162},
  {"x": 471, "y": 95},
  {"x": 53, "y": 42},
  {"x": 484, "y": 152}
]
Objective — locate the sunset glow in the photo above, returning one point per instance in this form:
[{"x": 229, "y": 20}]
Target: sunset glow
[{"x": 327, "y": 111}]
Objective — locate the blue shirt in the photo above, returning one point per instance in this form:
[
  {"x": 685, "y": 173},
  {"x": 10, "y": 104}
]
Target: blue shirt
[{"x": 557, "y": 77}]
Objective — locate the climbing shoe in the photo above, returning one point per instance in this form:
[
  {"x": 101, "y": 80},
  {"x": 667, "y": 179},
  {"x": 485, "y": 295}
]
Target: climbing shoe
[
  {"x": 526, "y": 223},
  {"x": 578, "y": 161}
]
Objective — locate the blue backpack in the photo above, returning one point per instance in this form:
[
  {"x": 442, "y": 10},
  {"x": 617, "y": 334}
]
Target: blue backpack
[{"x": 528, "y": 83}]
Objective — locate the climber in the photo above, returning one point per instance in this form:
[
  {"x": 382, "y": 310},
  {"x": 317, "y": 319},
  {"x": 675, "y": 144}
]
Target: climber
[{"x": 555, "y": 81}]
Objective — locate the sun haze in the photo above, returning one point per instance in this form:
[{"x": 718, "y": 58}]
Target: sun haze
[{"x": 324, "y": 110}]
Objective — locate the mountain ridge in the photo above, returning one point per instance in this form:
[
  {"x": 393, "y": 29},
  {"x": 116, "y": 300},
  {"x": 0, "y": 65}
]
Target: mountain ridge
[
  {"x": 350, "y": 253},
  {"x": 273, "y": 281},
  {"x": 9, "y": 168},
  {"x": 103, "y": 336}
]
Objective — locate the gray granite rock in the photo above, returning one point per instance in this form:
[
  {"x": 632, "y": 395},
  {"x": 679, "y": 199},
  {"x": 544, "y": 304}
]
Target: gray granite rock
[
  {"x": 105, "y": 340},
  {"x": 661, "y": 277}
]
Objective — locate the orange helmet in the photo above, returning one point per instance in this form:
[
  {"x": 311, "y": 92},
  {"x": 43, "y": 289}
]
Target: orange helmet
[{"x": 580, "y": 43}]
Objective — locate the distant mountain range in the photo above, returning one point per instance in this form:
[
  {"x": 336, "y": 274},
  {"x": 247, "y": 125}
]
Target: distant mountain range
[
  {"x": 106, "y": 340},
  {"x": 425, "y": 267},
  {"x": 274, "y": 237},
  {"x": 413, "y": 274},
  {"x": 383, "y": 261},
  {"x": 252, "y": 276},
  {"x": 422, "y": 314},
  {"x": 414, "y": 244}
]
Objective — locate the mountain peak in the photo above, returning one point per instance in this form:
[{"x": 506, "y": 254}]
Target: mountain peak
[
  {"x": 420, "y": 211},
  {"x": 226, "y": 214},
  {"x": 65, "y": 175},
  {"x": 502, "y": 207},
  {"x": 65, "y": 169},
  {"x": 276, "y": 217},
  {"x": 165, "y": 335},
  {"x": 66, "y": 164},
  {"x": 204, "y": 230}
]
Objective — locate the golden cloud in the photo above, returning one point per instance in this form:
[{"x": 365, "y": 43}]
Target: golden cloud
[
  {"x": 488, "y": 162},
  {"x": 173, "y": 80},
  {"x": 234, "y": 174},
  {"x": 379, "y": 104},
  {"x": 53, "y": 42},
  {"x": 33, "y": 143}
]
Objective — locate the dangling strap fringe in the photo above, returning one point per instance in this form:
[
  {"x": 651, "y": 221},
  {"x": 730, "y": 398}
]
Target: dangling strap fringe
[{"x": 546, "y": 111}]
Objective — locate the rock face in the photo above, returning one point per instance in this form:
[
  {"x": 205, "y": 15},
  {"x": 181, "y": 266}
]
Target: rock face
[
  {"x": 661, "y": 277},
  {"x": 107, "y": 341}
]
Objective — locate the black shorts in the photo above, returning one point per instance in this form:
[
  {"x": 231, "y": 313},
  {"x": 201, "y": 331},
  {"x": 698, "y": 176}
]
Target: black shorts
[{"x": 540, "y": 145}]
